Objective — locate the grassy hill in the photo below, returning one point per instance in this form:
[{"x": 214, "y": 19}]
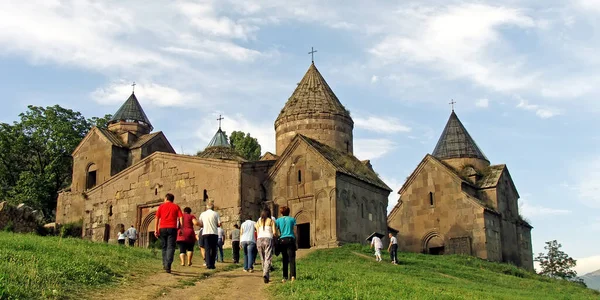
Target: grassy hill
[
  {"x": 350, "y": 272},
  {"x": 34, "y": 267}
]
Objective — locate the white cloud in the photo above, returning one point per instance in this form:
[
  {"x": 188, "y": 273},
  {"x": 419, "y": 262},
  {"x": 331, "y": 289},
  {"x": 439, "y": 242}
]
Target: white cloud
[
  {"x": 587, "y": 264},
  {"x": 530, "y": 210},
  {"x": 395, "y": 185},
  {"x": 372, "y": 148},
  {"x": 374, "y": 79},
  {"x": 153, "y": 93},
  {"x": 543, "y": 112},
  {"x": 462, "y": 41},
  {"x": 588, "y": 185},
  {"x": 482, "y": 103},
  {"x": 380, "y": 124}
]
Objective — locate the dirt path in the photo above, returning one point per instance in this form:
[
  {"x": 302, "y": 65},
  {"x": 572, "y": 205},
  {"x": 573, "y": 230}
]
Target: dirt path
[{"x": 196, "y": 282}]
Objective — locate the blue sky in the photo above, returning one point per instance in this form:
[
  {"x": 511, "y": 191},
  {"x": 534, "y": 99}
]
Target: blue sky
[{"x": 524, "y": 75}]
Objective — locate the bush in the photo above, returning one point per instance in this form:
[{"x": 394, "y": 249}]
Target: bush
[{"x": 74, "y": 229}]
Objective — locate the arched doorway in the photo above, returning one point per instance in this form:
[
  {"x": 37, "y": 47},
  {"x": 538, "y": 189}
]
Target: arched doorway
[
  {"x": 433, "y": 244},
  {"x": 147, "y": 230},
  {"x": 303, "y": 227}
]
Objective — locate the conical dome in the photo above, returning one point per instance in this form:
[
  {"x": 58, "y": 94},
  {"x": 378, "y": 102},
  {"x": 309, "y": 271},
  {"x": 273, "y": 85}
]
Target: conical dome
[
  {"x": 131, "y": 111},
  {"x": 315, "y": 111},
  {"x": 313, "y": 96},
  {"x": 220, "y": 148},
  {"x": 457, "y": 148}
]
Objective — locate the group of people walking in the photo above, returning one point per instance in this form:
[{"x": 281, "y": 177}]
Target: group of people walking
[
  {"x": 130, "y": 234},
  {"x": 265, "y": 237}
]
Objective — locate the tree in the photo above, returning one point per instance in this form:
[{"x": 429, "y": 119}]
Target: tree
[
  {"x": 245, "y": 145},
  {"x": 35, "y": 154},
  {"x": 556, "y": 263}
]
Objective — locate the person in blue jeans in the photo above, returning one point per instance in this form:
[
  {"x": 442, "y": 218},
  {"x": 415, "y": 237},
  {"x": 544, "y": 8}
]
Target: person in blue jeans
[
  {"x": 286, "y": 227},
  {"x": 220, "y": 242},
  {"x": 248, "y": 244}
]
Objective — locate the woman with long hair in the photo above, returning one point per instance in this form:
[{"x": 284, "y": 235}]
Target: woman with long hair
[
  {"x": 286, "y": 228},
  {"x": 121, "y": 236},
  {"x": 186, "y": 237},
  {"x": 265, "y": 228}
]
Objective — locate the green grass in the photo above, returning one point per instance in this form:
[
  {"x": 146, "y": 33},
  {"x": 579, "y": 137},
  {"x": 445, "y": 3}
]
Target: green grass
[
  {"x": 341, "y": 274},
  {"x": 34, "y": 267}
]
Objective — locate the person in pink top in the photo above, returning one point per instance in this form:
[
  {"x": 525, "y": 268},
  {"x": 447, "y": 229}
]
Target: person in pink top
[{"x": 186, "y": 237}]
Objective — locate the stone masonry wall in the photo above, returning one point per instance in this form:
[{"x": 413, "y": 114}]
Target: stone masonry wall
[
  {"x": 133, "y": 195},
  {"x": 361, "y": 210},
  {"x": 452, "y": 216},
  {"x": 332, "y": 132}
]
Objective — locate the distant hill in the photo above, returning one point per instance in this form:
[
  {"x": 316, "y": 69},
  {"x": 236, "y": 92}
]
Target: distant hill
[{"x": 592, "y": 279}]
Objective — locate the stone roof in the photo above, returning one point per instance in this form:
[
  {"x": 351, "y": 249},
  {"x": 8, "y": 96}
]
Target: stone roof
[
  {"x": 347, "y": 163},
  {"x": 219, "y": 140},
  {"x": 220, "y": 152},
  {"x": 114, "y": 139},
  {"x": 312, "y": 97},
  {"x": 456, "y": 142},
  {"x": 131, "y": 110},
  {"x": 144, "y": 139},
  {"x": 269, "y": 156},
  {"x": 491, "y": 176}
]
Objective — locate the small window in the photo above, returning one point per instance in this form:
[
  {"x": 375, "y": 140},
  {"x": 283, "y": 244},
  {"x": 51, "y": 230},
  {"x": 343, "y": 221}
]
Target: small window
[
  {"x": 91, "y": 176},
  {"x": 362, "y": 210},
  {"x": 299, "y": 176},
  {"x": 431, "y": 198},
  {"x": 110, "y": 213},
  {"x": 156, "y": 192},
  {"x": 204, "y": 196}
]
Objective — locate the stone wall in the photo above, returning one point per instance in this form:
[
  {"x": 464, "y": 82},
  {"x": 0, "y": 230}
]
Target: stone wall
[
  {"x": 361, "y": 209},
  {"x": 304, "y": 182},
  {"x": 21, "y": 218},
  {"x": 331, "y": 130},
  {"x": 132, "y": 196},
  {"x": 453, "y": 213}
]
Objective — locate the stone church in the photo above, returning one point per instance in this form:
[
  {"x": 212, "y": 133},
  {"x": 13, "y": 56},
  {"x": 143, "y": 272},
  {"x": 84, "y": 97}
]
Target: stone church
[
  {"x": 121, "y": 174},
  {"x": 455, "y": 202}
]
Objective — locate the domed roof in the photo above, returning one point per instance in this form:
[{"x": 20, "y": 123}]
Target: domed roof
[
  {"x": 456, "y": 142},
  {"x": 220, "y": 148},
  {"x": 131, "y": 110},
  {"x": 313, "y": 96}
]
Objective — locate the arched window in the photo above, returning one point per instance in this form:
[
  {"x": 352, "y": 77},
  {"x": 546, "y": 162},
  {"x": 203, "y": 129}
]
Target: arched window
[
  {"x": 110, "y": 213},
  {"x": 91, "y": 176},
  {"x": 299, "y": 176},
  {"x": 431, "y": 198},
  {"x": 205, "y": 196},
  {"x": 362, "y": 210}
]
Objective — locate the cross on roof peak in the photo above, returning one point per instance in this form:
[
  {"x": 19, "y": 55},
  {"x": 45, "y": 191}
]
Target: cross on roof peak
[
  {"x": 312, "y": 54},
  {"x": 452, "y": 102},
  {"x": 220, "y": 118},
  {"x": 133, "y": 87}
]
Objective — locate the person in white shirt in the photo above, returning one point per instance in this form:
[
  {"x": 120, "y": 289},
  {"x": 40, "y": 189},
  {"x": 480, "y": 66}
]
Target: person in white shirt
[
  {"x": 220, "y": 242},
  {"x": 248, "y": 244},
  {"x": 210, "y": 222},
  {"x": 132, "y": 235},
  {"x": 376, "y": 242},
  {"x": 393, "y": 248},
  {"x": 264, "y": 242}
]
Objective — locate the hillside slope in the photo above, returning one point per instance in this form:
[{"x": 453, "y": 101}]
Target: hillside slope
[
  {"x": 592, "y": 279},
  {"x": 350, "y": 272}
]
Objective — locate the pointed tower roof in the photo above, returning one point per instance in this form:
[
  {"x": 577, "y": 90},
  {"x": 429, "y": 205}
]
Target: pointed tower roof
[
  {"x": 219, "y": 140},
  {"x": 220, "y": 148},
  {"x": 456, "y": 142},
  {"x": 313, "y": 95},
  {"x": 131, "y": 110}
]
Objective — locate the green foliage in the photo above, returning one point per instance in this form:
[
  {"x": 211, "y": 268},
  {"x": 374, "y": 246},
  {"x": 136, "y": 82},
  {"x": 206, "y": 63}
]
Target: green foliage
[
  {"x": 34, "y": 267},
  {"x": 74, "y": 229},
  {"x": 556, "y": 263},
  {"x": 350, "y": 272},
  {"x": 101, "y": 122},
  {"x": 9, "y": 227},
  {"x": 35, "y": 154},
  {"x": 245, "y": 145}
]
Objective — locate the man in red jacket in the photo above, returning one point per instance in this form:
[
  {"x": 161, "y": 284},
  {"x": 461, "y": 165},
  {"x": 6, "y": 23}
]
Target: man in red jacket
[{"x": 166, "y": 227}]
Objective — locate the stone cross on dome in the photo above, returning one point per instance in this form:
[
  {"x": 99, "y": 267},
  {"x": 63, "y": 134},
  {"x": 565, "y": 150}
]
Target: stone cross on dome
[{"x": 133, "y": 87}]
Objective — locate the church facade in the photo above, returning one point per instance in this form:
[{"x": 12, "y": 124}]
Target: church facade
[
  {"x": 121, "y": 174},
  {"x": 455, "y": 202}
]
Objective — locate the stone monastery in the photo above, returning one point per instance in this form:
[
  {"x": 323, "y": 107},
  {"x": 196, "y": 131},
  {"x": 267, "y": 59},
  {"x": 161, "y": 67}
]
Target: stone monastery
[{"x": 454, "y": 202}]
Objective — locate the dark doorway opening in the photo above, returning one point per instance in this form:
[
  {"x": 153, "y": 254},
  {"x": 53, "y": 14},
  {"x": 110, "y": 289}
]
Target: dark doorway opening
[
  {"x": 106, "y": 232},
  {"x": 303, "y": 235},
  {"x": 436, "y": 250},
  {"x": 152, "y": 240}
]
